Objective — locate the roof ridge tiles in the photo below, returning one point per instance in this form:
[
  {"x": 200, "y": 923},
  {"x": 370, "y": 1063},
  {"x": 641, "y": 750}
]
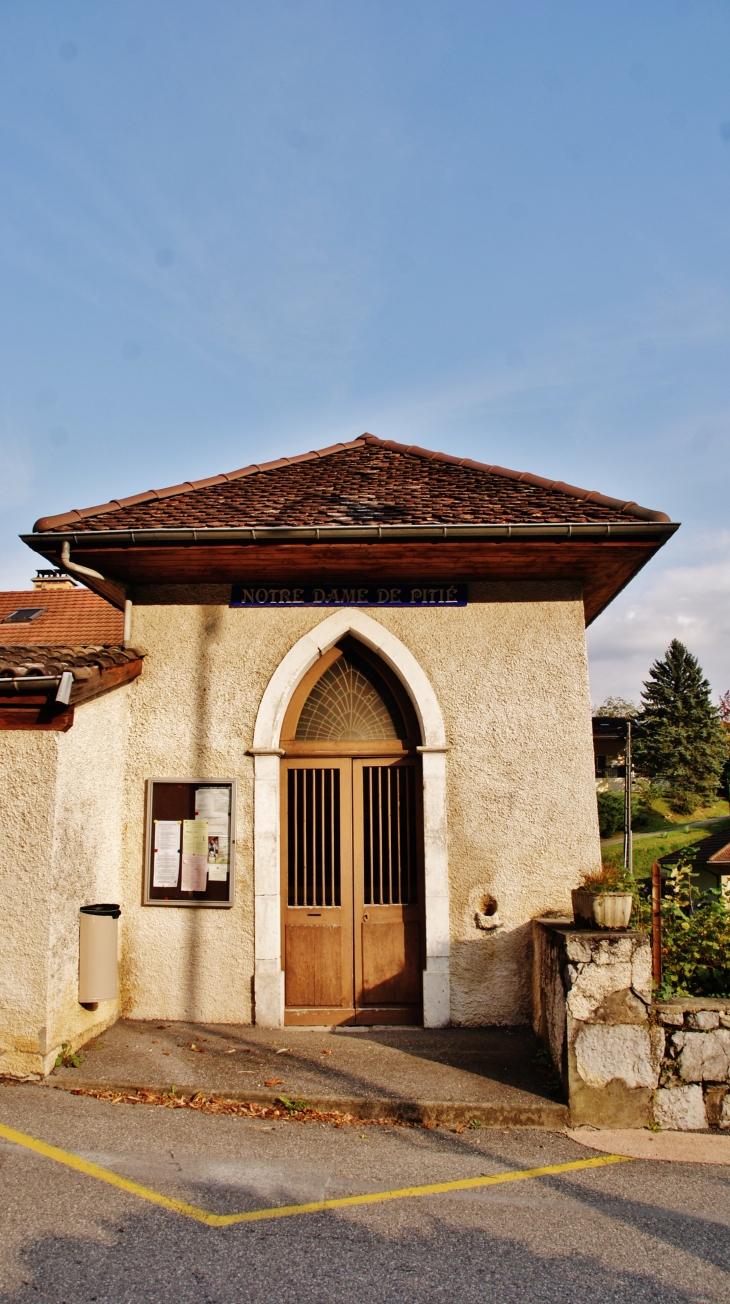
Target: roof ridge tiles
[{"x": 52, "y": 523}]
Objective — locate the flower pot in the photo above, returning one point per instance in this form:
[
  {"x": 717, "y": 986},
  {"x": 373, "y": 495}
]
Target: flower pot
[{"x": 602, "y": 909}]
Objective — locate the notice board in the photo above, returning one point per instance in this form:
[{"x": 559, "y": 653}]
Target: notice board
[{"x": 191, "y": 842}]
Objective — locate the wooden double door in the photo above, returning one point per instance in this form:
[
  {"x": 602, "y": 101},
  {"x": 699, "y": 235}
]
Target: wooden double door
[{"x": 352, "y": 890}]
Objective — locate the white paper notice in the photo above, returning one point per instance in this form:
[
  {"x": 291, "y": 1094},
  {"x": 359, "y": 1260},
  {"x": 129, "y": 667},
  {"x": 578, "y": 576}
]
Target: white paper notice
[
  {"x": 213, "y": 804},
  {"x": 166, "y": 862},
  {"x": 194, "y": 873}
]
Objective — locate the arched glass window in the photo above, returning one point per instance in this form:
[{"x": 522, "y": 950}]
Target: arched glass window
[{"x": 345, "y": 705}]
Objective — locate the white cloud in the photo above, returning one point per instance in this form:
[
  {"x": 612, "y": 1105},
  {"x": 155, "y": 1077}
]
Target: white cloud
[{"x": 690, "y": 602}]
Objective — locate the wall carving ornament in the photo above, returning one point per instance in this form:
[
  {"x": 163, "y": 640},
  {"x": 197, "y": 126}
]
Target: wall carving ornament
[{"x": 269, "y": 975}]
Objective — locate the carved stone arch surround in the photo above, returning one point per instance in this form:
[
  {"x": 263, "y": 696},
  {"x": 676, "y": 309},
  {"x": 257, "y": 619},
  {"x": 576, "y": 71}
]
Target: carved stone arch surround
[{"x": 269, "y": 976}]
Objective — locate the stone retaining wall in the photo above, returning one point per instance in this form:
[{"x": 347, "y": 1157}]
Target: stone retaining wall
[
  {"x": 623, "y": 1061},
  {"x": 592, "y": 1000},
  {"x": 694, "y": 1077}
]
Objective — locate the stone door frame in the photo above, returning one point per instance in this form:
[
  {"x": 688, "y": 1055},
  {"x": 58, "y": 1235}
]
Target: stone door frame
[{"x": 269, "y": 975}]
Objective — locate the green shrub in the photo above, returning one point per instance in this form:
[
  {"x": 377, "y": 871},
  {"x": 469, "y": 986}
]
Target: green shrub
[
  {"x": 610, "y": 813},
  {"x": 695, "y": 936}
]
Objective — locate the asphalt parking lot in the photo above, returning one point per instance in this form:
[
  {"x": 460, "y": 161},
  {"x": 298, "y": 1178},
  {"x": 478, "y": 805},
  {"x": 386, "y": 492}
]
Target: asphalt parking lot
[{"x": 634, "y": 1230}]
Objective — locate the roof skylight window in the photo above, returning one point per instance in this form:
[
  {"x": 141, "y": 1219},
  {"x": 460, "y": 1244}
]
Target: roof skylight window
[{"x": 22, "y": 615}]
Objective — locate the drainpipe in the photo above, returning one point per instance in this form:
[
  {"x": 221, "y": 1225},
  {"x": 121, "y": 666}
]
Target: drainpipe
[
  {"x": 119, "y": 594},
  {"x": 69, "y": 565},
  {"x": 127, "y": 622},
  {"x": 628, "y": 837}
]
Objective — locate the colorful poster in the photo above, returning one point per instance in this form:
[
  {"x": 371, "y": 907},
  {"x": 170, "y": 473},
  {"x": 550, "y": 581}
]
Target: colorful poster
[{"x": 213, "y": 804}]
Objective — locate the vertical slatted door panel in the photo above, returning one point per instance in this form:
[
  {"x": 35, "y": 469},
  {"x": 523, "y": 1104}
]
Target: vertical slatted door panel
[
  {"x": 316, "y": 891},
  {"x": 388, "y": 891}
]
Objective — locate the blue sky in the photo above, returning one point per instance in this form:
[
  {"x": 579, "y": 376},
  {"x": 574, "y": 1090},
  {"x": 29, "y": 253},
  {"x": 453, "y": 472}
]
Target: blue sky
[{"x": 231, "y": 231}]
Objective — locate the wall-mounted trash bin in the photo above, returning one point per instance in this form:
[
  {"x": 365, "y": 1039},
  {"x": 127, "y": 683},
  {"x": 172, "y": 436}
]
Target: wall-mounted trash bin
[{"x": 98, "y": 930}]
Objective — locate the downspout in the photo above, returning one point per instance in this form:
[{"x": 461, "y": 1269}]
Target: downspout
[
  {"x": 69, "y": 565},
  {"x": 120, "y": 592},
  {"x": 127, "y": 638}
]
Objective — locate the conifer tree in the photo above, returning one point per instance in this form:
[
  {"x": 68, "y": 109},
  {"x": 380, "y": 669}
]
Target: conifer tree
[
  {"x": 679, "y": 737},
  {"x": 724, "y": 709}
]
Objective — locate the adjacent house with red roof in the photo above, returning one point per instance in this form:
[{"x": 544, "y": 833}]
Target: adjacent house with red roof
[
  {"x": 59, "y": 614},
  {"x": 320, "y": 790}
]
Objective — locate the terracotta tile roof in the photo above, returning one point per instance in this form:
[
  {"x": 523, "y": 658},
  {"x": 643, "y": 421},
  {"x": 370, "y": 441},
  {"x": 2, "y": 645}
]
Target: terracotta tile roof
[
  {"x": 365, "y": 482},
  {"x": 35, "y": 659},
  {"x": 70, "y": 616}
]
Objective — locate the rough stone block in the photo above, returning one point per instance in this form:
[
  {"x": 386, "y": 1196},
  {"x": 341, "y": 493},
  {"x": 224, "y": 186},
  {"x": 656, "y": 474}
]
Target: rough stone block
[
  {"x": 671, "y": 1018},
  {"x": 705, "y": 1056},
  {"x": 621, "y": 1007},
  {"x": 680, "y": 1109},
  {"x": 725, "y": 1111},
  {"x": 714, "y": 1101},
  {"x": 615, "y": 1105},
  {"x": 703, "y": 1020},
  {"x": 641, "y": 975},
  {"x": 613, "y": 950},
  {"x": 725, "y": 1020},
  {"x": 578, "y": 948},
  {"x": 605, "y": 1052},
  {"x": 594, "y": 984}
]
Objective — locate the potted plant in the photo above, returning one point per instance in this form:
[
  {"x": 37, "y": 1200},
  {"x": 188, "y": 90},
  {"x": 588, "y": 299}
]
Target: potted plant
[{"x": 604, "y": 899}]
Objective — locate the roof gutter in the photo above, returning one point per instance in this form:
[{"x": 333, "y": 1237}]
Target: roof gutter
[
  {"x": 38, "y": 684},
  {"x": 618, "y": 531}
]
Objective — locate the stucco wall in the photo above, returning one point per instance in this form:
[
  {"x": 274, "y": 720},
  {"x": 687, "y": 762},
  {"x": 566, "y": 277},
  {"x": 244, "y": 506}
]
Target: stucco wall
[
  {"x": 60, "y": 848},
  {"x": 28, "y": 784},
  {"x": 510, "y": 673}
]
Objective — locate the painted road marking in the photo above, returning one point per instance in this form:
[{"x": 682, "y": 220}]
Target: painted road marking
[{"x": 289, "y": 1210}]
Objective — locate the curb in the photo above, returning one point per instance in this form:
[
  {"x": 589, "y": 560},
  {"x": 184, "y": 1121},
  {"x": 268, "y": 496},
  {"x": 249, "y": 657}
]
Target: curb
[{"x": 551, "y": 1117}]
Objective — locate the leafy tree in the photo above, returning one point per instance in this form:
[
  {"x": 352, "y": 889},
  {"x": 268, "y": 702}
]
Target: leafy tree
[
  {"x": 617, "y": 706},
  {"x": 610, "y": 813},
  {"x": 679, "y": 737}
]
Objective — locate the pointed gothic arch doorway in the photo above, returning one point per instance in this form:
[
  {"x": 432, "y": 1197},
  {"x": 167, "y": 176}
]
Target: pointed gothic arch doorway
[{"x": 352, "y": 890}]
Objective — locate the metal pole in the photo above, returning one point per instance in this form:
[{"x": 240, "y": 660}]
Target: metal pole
[
  {"x": 628, "y": 839},
  {"x": 656, "y": 921}
]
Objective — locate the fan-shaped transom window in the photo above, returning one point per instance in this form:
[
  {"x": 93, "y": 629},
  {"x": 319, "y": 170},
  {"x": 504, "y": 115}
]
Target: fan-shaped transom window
[{"x": 343, "y": 706}]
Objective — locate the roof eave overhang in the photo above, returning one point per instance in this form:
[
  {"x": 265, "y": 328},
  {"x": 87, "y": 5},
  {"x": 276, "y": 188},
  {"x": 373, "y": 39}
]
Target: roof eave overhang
[
  {"x": 625, "y": 531},
  {"x": 603, "y": 556}
]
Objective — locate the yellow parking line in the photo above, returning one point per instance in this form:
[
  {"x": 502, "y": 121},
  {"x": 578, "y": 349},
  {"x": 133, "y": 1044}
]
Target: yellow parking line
[{"x": 288, "y": 1210}]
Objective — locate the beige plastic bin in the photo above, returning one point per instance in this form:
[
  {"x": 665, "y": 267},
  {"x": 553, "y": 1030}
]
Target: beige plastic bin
[{"x": 98, "y": 941}]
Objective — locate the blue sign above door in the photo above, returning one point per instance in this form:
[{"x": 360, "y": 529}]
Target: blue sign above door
[{"x": 426, "y": 594}]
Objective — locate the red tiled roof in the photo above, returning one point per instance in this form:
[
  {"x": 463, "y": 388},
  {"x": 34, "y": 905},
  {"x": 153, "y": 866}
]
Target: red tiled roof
[
  {"x": 70, "y": 616},
  {"x": 28, "y": 659},
  {"x": 368, "y": 481}
]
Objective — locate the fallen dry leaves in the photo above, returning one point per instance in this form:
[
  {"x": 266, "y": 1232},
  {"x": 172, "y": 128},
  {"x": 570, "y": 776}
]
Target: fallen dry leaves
[{"x": 297, "y": 1111}]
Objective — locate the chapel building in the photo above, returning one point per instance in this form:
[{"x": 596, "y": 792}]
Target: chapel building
[{"x": 338, "y": 760}]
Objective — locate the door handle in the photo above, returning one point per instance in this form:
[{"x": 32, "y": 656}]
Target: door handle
[{"x": 366, "y": 917}]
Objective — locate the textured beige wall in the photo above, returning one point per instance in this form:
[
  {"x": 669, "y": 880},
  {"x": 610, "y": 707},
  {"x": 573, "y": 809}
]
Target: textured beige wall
[
  {"x": 510, "y": 673},
  {"x": 28, "y": 785},
  {"x": 60, "y": 848}
]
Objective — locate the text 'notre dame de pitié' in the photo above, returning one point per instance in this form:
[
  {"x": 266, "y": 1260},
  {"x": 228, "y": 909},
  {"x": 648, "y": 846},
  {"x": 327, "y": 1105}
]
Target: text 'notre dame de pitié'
[{"x": 356, "y": 595}]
